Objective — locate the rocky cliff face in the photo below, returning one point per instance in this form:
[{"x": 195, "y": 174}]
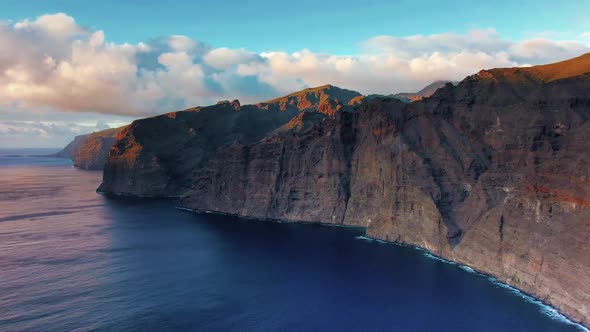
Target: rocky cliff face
[
  {"x": 160, "y": 156},
  {"x": 90, "y": 151},
  {"x": 491, "y": 173}
]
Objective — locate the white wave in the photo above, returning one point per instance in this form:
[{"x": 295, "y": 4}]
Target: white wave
[
  {"x": 431, "y": 256},
  {"x": 370, "y": 239},
  {"x": 467, "y": 268},
  {"x": 544, "y": 308},
  {"x": 364, "y": 238}
]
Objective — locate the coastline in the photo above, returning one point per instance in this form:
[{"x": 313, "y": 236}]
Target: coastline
[
  {"x": 100, "y": 192},
  {"x": 545, "y": 308}
]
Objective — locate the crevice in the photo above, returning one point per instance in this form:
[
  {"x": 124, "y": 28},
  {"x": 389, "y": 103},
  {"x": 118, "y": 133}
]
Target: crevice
[
  {"x": 347, "y": 139},
  {"x": 501, "y": 228},
  {"x": 274, "y": 206},
  {"x": 540, "y": 270}
]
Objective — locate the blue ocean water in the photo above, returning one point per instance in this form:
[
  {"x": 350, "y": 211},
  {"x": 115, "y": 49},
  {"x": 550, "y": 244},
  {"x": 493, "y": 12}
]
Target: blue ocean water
[{"x": 74, "y": 260}]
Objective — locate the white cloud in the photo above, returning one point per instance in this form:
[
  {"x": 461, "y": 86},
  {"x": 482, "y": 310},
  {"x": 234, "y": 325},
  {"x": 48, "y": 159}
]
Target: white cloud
[
  {"x": 180, "y": 43},
  {"x": 52, "y": 62},
  {"x": 223, "y": 58},
  {"x": 59, "y": 25},
  {"x": 544, "y": 50}
]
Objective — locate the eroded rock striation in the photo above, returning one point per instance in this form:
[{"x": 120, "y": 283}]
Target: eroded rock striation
[{"x": 492, "y": 173}]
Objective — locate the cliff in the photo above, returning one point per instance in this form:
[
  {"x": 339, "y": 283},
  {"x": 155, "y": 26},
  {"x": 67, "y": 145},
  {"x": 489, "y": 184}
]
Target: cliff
[
  {"x": 160, "y": 156},
  {"x": 90, "y": 151},
  {"x": 491, "y": 172}
]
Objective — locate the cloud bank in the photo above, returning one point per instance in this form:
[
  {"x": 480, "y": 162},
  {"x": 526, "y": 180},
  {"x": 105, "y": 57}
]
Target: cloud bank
[{"x": 53, "y": 63}]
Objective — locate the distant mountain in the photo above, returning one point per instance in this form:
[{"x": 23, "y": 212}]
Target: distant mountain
[
  {"x": 325, "y": 99},
  {"x": 409, "y": 97},
  {"x": 90, "y": 151},
  {"x": 70, "y": 150},
  {"x": 429, "y": 90}
]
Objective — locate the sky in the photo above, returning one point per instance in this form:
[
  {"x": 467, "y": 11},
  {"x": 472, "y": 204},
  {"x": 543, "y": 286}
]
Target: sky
[{"x": 73, "y": 67}]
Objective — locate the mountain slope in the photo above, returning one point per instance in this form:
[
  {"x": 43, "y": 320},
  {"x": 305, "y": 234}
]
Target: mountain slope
[{"x": 546, "y": 73}]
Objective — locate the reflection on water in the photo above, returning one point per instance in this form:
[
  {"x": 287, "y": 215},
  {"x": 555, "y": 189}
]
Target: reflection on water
[{"x": 71, "y": 259}]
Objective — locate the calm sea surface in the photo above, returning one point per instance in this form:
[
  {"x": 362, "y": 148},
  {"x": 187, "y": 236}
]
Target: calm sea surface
[{"x": 71, "y": 259}]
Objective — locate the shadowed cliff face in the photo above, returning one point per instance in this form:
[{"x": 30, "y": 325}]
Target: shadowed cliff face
[
  {"x": 90, "y": 151},
  {"x": 160, "y": 156},
  {"x": 491, "y": 172}
]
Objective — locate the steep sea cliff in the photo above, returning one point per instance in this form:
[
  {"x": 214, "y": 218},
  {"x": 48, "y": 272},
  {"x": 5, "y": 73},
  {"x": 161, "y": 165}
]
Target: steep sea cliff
[
  {"x": 491, "y": 173},
  {"x": 90, "y": 151}
]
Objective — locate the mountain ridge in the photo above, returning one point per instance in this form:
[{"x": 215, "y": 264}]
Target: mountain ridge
[{"x": 549, "y": 72}]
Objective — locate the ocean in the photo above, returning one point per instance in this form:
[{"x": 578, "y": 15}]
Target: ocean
[{"x": 75, "y": 260}]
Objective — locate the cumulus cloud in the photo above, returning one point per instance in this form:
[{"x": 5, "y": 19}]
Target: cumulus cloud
[
  {"x": 53, "y": 62},
  {"x": 223, "y": 58},
  {"x": 58, "y": 25}
]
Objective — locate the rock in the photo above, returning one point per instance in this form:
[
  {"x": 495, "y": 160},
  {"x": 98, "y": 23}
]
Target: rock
[{"x": 236, "y": 104}]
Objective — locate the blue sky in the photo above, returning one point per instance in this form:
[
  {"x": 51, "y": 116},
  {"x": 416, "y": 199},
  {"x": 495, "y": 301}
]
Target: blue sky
[
  {"x": 321, "y": 26},
  {"x": 73, "y": 67}
]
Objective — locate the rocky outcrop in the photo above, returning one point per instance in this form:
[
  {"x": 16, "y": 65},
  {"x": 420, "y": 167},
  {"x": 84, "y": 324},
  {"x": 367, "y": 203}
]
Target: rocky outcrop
[
  {"x": 90, "y": 151},
  {"x": 491, "y": 172}
]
